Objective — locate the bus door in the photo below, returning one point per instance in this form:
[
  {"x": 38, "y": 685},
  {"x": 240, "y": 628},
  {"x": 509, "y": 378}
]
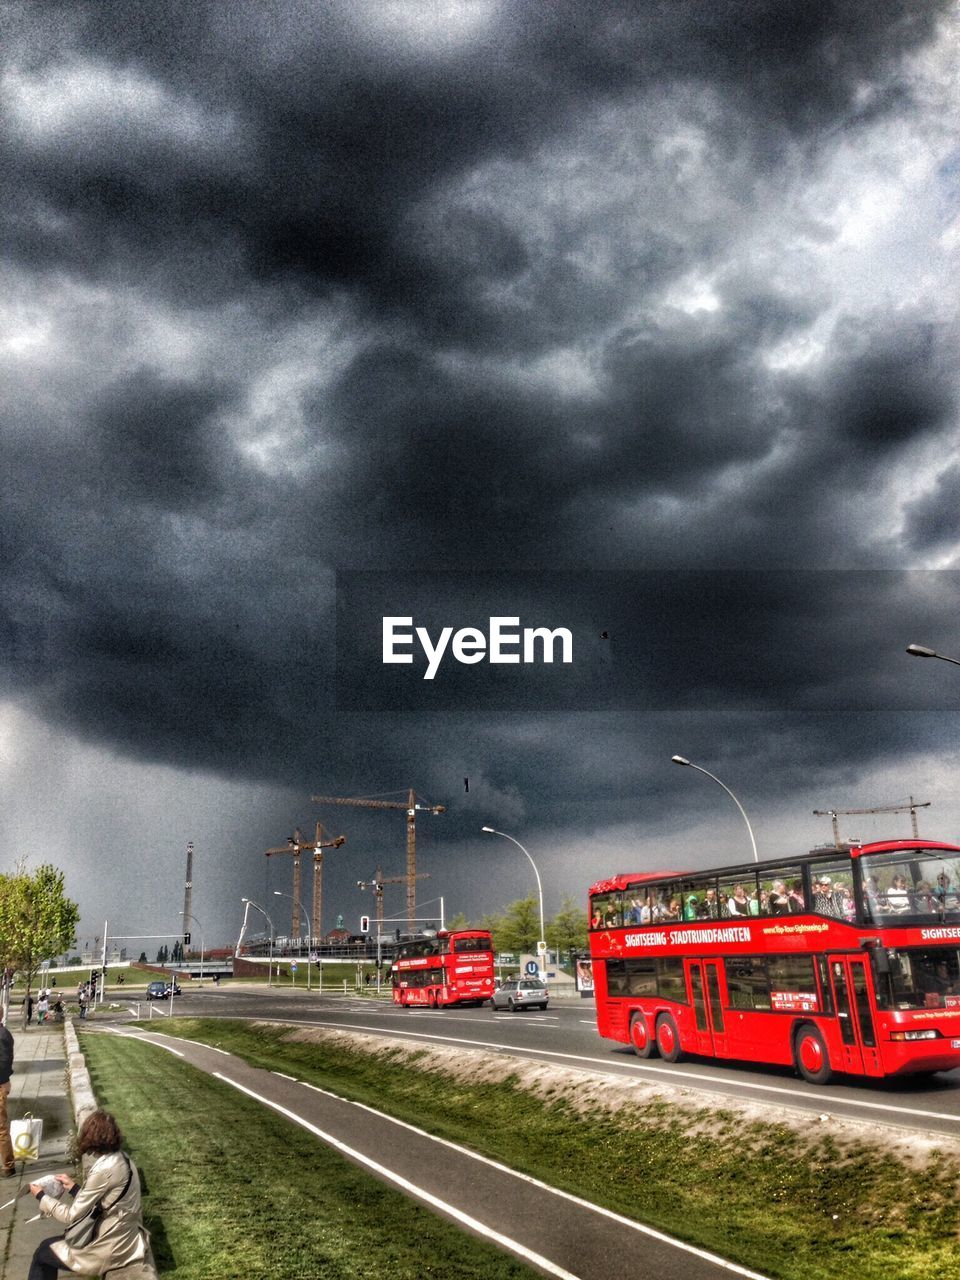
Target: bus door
[
  {"x": 851, "y": 999},
  {"x": 706, "y": 994}
]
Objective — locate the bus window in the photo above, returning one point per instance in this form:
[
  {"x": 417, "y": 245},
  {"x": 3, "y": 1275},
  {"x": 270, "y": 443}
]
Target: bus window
[
  {"x": 606, "y": 912},
  {"x": 747, "y": 982},
  {"x": 776, "y": 884},
  {"x": 921, "y": 978},
  {"x": 670, "y": 980},
  {"x": 793, "y": 984},
  {"x": 831, "y": 886}
]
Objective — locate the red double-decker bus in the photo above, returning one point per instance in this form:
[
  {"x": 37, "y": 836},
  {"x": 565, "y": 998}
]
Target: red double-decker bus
[
  {"x": 451, "y": 968},
  {"x": 843, "y": 960}
]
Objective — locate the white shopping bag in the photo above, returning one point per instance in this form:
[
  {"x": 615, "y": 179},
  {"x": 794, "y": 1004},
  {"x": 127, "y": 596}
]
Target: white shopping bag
[{"x": 25, "y": 1135}]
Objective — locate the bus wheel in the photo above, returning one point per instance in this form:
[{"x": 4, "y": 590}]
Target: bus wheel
[
  {"x": 810, "y": 1055},
  {"x": 668, "y": 1039},
  {"x": 644, "y": 1045}
]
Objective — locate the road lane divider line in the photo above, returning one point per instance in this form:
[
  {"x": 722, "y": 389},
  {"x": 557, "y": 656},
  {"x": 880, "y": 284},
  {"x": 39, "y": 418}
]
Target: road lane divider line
[{"x": 473, "y": 1224}]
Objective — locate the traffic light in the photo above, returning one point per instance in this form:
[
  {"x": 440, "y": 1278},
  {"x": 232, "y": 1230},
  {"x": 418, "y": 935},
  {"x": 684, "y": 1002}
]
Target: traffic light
[
  {"x": 364, "y": 924},
  {"x": 94, "y": 974}
]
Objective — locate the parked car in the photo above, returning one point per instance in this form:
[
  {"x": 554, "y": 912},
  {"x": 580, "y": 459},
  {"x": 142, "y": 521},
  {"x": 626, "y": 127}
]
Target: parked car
[
  {"x": 161, "y": 990},
  {"x": 520, "y": 993}
]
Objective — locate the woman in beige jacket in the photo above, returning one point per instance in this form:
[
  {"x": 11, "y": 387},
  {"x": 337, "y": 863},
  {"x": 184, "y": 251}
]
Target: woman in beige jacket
[{"x": 111, "y": 1191}]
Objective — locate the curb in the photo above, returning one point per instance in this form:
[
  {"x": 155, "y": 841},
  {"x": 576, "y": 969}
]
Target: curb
[{"x": 78, "y": 1077}]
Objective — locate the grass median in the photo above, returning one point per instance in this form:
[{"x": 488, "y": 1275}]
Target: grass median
[
  {"x": 820, "y": 1204},
  {"x": 233, "y": 1190}
]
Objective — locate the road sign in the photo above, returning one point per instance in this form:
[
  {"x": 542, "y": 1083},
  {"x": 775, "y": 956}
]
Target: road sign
[
  {"x": 541, "y": 948},
  {"x": 532, "y": 967}
]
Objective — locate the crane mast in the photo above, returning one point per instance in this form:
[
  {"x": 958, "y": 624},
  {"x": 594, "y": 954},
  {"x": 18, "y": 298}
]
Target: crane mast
[
  {"x": 410, "y": 806},
  {"x": 295, "y": 846}
]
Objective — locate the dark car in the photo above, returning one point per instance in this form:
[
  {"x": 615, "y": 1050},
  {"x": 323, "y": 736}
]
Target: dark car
[
  {"x": 161, "y": 990},
  {"x": 520, "y": 993}
]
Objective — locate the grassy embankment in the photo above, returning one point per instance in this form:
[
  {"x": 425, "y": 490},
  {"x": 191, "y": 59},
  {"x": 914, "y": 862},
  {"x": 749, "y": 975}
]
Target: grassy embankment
[
  {"x": 233, "y": 1190},
  {"x": 797, "y": 1205}
]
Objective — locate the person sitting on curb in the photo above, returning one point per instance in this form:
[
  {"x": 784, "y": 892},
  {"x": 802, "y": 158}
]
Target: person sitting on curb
[{"x": 111, "y": 1189}]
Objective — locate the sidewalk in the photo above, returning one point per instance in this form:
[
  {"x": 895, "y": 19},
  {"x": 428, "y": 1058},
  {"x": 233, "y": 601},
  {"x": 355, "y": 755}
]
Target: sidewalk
[{"x": 38, "y": 1086}]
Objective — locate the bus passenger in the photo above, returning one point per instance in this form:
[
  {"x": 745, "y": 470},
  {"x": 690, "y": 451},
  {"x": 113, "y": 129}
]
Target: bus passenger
[
  {"x": 760, "y": 905},
  {"x": 690, "y": 911},
  {"x": 673, "y": 910},
  {"x": 634, "y": 913},
  {"x": 925, "y": 900},
  {"x": 797, "y": 904},
  {"x": 738, "y": 904},
  {"x": 825, "y": 899},
  {"x": 898, "y": 899},
  {"x": 779, "y": 901},
  {"x": 709, "y": 908},
  {"x": 946, "y": 895}
]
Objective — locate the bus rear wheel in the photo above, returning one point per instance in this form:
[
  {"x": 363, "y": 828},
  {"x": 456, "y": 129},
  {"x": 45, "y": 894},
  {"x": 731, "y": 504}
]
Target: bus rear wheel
[
  {"x": 644, "y": 1045},
  {"x": 668, "y": 1039},
  {"x": 811, "y": 1057}
]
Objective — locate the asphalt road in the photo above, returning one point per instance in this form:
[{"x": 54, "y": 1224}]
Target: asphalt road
[{"x": 566, "y": 1034}]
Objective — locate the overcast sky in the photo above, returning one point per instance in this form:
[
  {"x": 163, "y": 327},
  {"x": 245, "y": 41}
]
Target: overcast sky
[{"x": 638, "y": 319}]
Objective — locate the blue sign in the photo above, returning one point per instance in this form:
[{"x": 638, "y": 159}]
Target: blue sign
[{"x": 532, "y": 968}]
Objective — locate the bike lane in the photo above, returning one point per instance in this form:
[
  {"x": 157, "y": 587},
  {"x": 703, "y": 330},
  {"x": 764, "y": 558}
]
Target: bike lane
[{"x": 558, "y": 1233}]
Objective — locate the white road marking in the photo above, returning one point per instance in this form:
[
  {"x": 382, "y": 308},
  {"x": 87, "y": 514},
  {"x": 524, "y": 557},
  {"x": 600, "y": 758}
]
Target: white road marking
[
  {"x": 675, "y": 1076},
  {"x": 473, "y": 1224},
  {"x": 544, "y": 1186},
  {"x": 145, "y": 1039}
]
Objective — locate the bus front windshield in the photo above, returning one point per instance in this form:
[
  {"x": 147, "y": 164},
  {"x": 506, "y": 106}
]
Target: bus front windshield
[
  {"x": 911, "y": 884},
  {"x": 920, "y": 978}
]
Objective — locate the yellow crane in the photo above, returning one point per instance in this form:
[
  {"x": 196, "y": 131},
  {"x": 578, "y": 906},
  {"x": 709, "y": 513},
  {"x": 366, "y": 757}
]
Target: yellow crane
[
  {"x": 910, "y": 807},
  {"x": 410, "y": 806},
  {"x": 295, "y": 846}
]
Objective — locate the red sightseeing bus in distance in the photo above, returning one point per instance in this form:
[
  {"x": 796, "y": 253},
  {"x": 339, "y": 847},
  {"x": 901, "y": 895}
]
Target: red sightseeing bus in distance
[
  {"x": 845, "y": 959},
  {"x": 451, "y": 968}
]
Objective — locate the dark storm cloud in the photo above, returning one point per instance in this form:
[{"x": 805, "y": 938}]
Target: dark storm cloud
[
  {"x": 289, "y": 142},
  {"x": 494, "y": 287}
]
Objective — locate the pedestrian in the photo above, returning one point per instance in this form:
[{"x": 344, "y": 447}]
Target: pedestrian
[
  {"x": 112, "y": 1185},
  {"x": 29, "y": 1010},
  {"x": 83, "y": 1001},
  {"x": 7, "y": 1167},
  {"x": 43, "y": 1007}
]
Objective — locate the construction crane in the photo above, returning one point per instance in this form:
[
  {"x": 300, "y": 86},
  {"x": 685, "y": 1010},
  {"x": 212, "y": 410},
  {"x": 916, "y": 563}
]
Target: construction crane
[
  {"x": 410, "y": 806},
  {"x": 295, "y": 846},
  {"x": 910, "y": 807},
  {"x": 377, "y": 883}
]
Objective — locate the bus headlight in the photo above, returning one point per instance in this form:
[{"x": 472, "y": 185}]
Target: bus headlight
[{"x": 915, "y": 1035}]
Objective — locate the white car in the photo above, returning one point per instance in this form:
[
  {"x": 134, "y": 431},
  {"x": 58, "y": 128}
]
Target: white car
[{"x": 520, "y": 993}]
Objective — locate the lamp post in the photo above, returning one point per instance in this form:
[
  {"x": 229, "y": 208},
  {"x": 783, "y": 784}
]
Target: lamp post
[
  {"x": 542, "y": 944},
  {"x": 921, "y": 651},
  {"x": 690, "y": 765},
  {"x": 250, "y": 903},
  {"x": 278, "y": 894},
  {"x": 187, "y": 915}
]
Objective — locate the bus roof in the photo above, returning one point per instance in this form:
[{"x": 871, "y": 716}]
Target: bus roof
[{"x": 623, "y": 879}]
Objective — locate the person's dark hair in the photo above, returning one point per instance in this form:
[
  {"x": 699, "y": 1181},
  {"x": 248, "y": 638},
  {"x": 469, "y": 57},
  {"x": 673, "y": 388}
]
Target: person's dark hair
[{"x": 99, "y": 1134}]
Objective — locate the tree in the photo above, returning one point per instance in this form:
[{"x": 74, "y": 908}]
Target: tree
[
  {"x": 567, "y": 931},
  {"x": 37, "y": 921},
  {"x": 518, "y": 928},
  {"x": 459, "y": 921}
]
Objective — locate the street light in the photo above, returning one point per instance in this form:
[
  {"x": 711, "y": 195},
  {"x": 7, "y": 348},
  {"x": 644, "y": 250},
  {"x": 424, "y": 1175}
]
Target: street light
[
  {"x": 690, "y": 765},
  {"x": 249, "y": 902},
  {"x": 188, "y": 916},
  {"x": 542, "y": 944},
  {"x": 278, "y": 894},
  {"x": 921, "y": 651}
]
